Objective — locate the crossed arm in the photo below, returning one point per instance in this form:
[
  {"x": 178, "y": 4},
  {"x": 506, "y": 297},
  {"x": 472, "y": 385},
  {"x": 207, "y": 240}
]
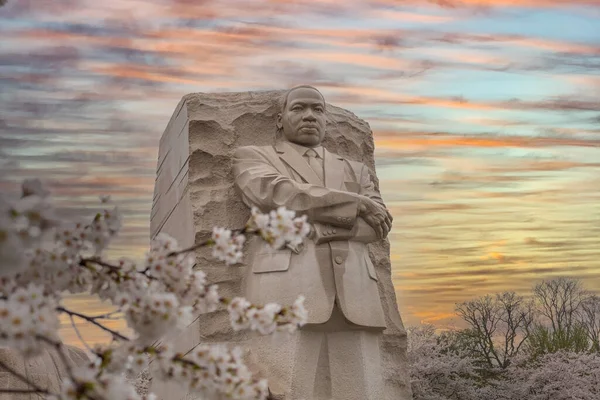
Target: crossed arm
[
  {"x": 354, "y": 216},
  {"x": 373, "y": 223}
]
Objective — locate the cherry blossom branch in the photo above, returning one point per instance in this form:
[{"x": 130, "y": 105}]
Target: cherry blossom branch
[
  {"x": 113, "y": 268},
  {"x": 93, "y": 321},
  {"x": 76, "y": 329},
  {"x": 83, "y": 262},
  {"x": 161, "y": 297},
  {"x": 108, "y": 316},
  {"x": 209, "y": 242}
]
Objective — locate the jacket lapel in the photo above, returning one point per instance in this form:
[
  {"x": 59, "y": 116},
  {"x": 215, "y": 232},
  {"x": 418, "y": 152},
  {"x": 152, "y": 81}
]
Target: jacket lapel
[
  {"x": 297, "y": 163},
  {"x": 277, "y": 163},
  {"x": 334, "y": 170}
]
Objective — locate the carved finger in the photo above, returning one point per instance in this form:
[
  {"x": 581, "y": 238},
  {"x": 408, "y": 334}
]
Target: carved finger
[
  {"x": 388, "y": 224},
  {"x": 390, "y": 216},
  {"x": 386, "y": 230},
  {"x": 375, "y": 225},
  {"x": 379, "y": 229}
]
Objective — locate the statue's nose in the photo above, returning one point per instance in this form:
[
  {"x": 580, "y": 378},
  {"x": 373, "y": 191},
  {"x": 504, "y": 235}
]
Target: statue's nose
[{"x": 310, "y": 116}]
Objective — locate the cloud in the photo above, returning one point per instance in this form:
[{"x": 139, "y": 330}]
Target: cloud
[
  {"x": 544, "y": 166},
  {"x": 362, "y": 60},
  {"x": 504, "y": 3},
  {"x": 467, "y": 275},
  {"x": 492, "y": 122},
  {"x": 19, "y": 8},
  {"x": 426, "y": 140},
  {"x": 355, "y": 94},
  {"x": 411, "y": 17},
  {"x": 435, "y": 208}
]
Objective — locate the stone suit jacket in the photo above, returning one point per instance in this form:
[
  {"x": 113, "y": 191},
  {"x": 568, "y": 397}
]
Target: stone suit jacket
[{"x": 335, "y": 263}]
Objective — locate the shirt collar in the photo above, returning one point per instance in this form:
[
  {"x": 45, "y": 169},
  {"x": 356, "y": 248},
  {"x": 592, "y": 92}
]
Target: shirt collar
[{"x": 302, "y": 149}]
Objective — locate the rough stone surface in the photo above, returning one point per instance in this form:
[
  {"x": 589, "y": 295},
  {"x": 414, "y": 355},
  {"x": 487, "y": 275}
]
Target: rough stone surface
[
  {"x": 194, "y": 191},
  {"x": 47, "y": 371}
]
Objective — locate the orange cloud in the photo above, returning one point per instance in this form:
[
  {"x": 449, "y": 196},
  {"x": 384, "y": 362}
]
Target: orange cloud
[
  {"x": 432, "y": 316},
  {"x": 497, "y": 3},
  {"x": 556, "y": 46},
  {"x": 353, "y": 94},
  {"x": 449, "y": 103},
  {"x": 360, "y": 95},
  {"x": 363, "y": 60},
  {"x": 403, "y": 16},
  {"x": 393, "y": 141},
  {"x": 521, "y": 3},
  {"x": 138, "y": 72},
  {"x": 494, "y": 255},
  {"x": 588, "y": 81}
]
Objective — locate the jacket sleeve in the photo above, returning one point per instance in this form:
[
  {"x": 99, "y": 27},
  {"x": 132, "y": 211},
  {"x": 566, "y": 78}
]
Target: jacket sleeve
[
  {"x": 361, "y": 231},
  {"x": 367, "y": 187},
  {"x": 263, "y": 186}
]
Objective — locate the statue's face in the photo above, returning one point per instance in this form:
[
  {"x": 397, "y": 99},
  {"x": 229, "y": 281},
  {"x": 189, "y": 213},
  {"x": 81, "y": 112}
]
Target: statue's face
[{"x": 303, "y": 120}]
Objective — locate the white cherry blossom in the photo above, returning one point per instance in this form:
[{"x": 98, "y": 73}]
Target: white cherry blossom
[
  {"x": 227, "y": 245},
  {"x": 26, "y": 314},
  {"x": 279, "y": 227},
  {"x": 157, "y": 296}
]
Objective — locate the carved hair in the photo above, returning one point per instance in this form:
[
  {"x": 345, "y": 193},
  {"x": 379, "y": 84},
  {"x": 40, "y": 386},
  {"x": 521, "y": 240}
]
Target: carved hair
[{"x": 284, "y": 98}]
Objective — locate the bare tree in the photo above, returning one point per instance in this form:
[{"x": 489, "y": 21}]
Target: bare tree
[
  {"x": 559, "y": 301},
  {"x": 560, "y": 304},
  {"x": 498, "y": 326},
  {"x": 517, "y": 318},
  {"x": 590, "y": 319}
]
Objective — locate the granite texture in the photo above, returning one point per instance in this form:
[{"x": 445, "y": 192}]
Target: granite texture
[
  {"x": 194, "y": 191},
  {"x": 46, "y": 371}
]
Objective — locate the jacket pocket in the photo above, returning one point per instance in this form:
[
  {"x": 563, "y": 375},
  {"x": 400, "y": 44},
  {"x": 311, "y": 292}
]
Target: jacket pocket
[
  {"x": 370, "y": 267},
  {"x": 272, "y": 261}
]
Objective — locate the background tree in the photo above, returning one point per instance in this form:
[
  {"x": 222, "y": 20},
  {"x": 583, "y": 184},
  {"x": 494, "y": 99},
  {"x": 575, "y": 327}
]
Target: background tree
[
  {"x": 498, "y": 327},
  {"x": 590, "y": 319},
  {"x": 559, "y": 304},
  {"x": 513, "y": 348}
]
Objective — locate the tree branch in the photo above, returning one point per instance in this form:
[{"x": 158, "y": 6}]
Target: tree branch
[
  {"x": 208, "y": 242},
  {"x": 93, "y": 321},
  {"x": 79, "y": 334}
]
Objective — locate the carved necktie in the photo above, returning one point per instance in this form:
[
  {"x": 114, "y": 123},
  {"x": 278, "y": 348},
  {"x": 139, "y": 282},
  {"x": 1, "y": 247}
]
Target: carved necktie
[{"x": 315, "y": 163}]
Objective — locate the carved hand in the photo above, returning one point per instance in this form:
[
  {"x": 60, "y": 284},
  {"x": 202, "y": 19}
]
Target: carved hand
[{"x": 375, "y": 215}]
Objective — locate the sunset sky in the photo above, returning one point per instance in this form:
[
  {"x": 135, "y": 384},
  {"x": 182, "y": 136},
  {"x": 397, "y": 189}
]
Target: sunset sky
[{"x": 486, "y": 117}]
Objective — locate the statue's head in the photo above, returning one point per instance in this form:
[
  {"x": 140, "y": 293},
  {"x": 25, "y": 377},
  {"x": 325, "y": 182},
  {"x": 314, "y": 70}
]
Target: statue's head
[{"x": 302, "y": 118}]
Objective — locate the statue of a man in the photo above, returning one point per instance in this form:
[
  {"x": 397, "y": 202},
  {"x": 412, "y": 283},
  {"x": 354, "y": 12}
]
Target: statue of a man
[{"x": 333, "y": 270}]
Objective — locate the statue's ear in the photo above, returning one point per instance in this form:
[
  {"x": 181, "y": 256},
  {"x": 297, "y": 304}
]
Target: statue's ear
[{"x": 279, "y": 123}]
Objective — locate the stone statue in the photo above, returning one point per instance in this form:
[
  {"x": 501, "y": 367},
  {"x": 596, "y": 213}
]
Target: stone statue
[
  {"x": 333, "y": 270},
  {"x": 218, "y": 143}
]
